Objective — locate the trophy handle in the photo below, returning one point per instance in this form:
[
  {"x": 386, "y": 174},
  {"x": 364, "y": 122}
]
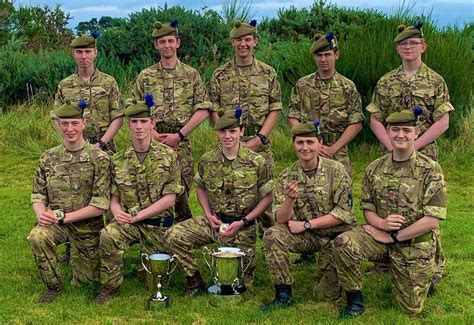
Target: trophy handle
[
  {"x": 251, "y": 254},
  {"x": 206, "y": 251},
  {"x": 173, "y": 264},
  {"x": 143, "y": 258}
]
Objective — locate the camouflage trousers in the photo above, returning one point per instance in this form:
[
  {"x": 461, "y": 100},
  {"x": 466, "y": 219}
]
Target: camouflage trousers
[
  {"x": 116, "y": 238},
  {"x": 196, "y": 232},
  {"x": 279, "y": 242},
  {"x": 84, "y": 238},
  {"x": 265, "y": 221},
  {"x": 411, "y": 266},
  {"x": 186, "y": 164}
]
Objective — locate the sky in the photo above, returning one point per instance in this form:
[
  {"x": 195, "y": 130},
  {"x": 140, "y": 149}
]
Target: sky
[{"x": 445, "y": 12}]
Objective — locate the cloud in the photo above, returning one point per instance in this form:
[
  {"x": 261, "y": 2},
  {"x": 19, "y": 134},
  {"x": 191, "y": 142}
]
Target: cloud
[{"x": 95, "y": 9}]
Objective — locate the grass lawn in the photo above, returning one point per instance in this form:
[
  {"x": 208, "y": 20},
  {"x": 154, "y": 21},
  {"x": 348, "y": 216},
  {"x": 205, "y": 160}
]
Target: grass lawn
[{"x": 20, "y": 285}]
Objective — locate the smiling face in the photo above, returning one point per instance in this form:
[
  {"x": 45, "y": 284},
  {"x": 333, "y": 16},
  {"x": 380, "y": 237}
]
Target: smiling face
[
  {"x": 244, "y": 45},
  {"x": 71, "y": 129},
  {"x": 411, "y": 49},
  {"x": 402, "y": 138},
  {"x": 167, "y": 46},
  {"x": 230, "y": 138},
  {"x": 306, "y": 148},
  {"x": 84, "y": 57}
]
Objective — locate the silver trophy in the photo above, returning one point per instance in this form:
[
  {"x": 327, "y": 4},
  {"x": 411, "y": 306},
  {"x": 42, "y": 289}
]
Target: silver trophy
[{"x": 159, "y": 266}]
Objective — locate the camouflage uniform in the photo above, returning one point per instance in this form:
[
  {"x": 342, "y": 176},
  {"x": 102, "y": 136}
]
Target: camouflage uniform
[
  {"x": 394, "y": 92},
  {"x": 64, "y": 181},
  {"x": 428, "y": 90},
  {"x": 257, "y": 90},
  {"x": 178, "y": 94},
  {"x": 414, "y": 188},
  {"x": 103, "y": 98},
  {"x": 335, "y": 102},
  {"x": 233, "y": 189},
  {"x": 138, "y": 185},
  {"x": 327, "y": 191}
]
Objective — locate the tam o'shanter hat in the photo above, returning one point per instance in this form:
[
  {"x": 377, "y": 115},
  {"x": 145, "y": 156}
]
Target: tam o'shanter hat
[
  {"x": 408, "y": 32},
  {"x": 242, "y": 28},
  {"x": 162, "y": 29},
  {"x": 306, "y": 129},
  {"x": 140, "y": 109},
  {"x": 84, "y": 41},
  {"x": 70, "y": 110},
  {"x": 322, "y": 43},
  {"x": 229, "y": 119}
]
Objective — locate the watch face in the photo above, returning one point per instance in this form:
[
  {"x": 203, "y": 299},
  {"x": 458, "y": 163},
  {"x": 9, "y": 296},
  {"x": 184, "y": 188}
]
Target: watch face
[{"x": 307, "y": 225}]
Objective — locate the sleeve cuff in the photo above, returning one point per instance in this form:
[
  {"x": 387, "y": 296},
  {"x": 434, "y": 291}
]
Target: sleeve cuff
[
  {"x": 173, "y": 189},
  {"x": 368, "y": 206},
  {"x": 441, "y": 110},
  {"x": 343, "y": 215},
  {"x": 275, "y": 106},
  {"x": 99, "y": 202},
  {"x": 436, "y": 212},
  {"x": 267, "y": 188},
  {"x": 356, "y": 118},
  {"x": 38, "y": 198}
]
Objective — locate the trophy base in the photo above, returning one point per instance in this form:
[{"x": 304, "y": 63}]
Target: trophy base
[
  {"x": 220, "y": 299},
  {"x": 157, "y": 304}
]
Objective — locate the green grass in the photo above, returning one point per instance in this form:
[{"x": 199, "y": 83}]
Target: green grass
[{"x": 27, "y": 132}]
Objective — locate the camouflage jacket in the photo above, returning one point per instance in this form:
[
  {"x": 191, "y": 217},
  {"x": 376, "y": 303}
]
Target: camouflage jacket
[
  {"x": 335, "y": 102},
  {"x": 102, "y": 95},
  {"x": 63, "y": 181},
  {"x": 328, "y": 191},
  {"x": 178, "y": 93},
  {"x": 139, "y": 185},
  {"x": 235, "y": 188},
  {"x": 414, "y": 188},
  {"x": 394, "y": 92},
  {"x": 256, "y": 89}
]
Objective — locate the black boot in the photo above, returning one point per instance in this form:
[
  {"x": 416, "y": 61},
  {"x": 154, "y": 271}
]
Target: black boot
[
  {"x": 282, "y": 298},
  {"x": 195, "y": 285},
  {"x": 355, "y": 305}
]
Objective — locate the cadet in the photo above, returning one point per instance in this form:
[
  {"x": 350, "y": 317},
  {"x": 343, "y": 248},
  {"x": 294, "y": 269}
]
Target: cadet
[
  {"x": 403, "y": 198},
  {"x": 312, "y": 205},
  {"x": 103, "y": 114},
  {"x": 233, "y": 187},
  {"x": 413, "y": 84},
  {"x": 71, "y": 191},
  {"x": 330, "y": 97},
  {"x": 181, "y": 104},
  {"x": 146, "y": 181},
  {"x": 252, "y": 85}
]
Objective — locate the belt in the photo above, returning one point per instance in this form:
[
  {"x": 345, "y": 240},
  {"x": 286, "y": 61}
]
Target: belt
[
  {"x": 161, "y": 127},
  {"x": 225, "y": 218},
  {"x": 420, "y": 239},
  {"x": 329, "y": 138},
  {"x": 164, "y": 222},
  {"x": 251, "y": 130}
]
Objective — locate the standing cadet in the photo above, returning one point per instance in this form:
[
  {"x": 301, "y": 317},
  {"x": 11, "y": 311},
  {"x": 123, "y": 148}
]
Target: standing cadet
[
  {"x": 146, "y": 181},
  {"x": 330, "y": 97},
  {"x": 413, "y": 84},
  {"x": 252, "y": 85},
  {"x": 333, "y": 99},
  {"x": 313, "y": 204},
  {"x": 71, "y": 191},
  {"x": 181, "y": 104},
  {"x": 403, "y": 199},
  {"x": 103, "y": 114},
  {"x": 233, "y": 187}
]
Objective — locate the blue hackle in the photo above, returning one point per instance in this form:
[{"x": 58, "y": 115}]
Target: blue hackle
[
  {"x": 174, "y": 23},
  {"x": 316, "y": 123},
  {"x": 149, "y": 101},
  {"x": 253, "y": 22},
  {"x": 82, "y": 104},
  {"x": 418, "y": 25},
  {"x": 95, "y": 34},
  {"x": 238, "y": 112},
  {"x": 329, "y": 37},
  {"x": 417, "y": 110}
]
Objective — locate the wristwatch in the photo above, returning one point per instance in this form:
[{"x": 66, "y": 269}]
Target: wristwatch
[
  {"x": 263, "y": 138},
  {"x": 394, "y": 234},
  {"x": 60, "y": 215},
  {"x": 245, "y": 221},
  {"x": 181, "y": 135},
  {"x": 102, "y": 145},
  {"x": 307, "y": 225}
]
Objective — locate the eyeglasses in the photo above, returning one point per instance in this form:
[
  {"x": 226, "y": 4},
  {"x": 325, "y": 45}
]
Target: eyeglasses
[{"x": 411, "y": 44}]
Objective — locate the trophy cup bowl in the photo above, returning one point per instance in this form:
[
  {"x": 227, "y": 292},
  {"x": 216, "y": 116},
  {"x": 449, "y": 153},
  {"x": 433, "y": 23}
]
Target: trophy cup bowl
[
  {"x": 227, "y": 269},
  {"x": 160, "y": 266}
]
